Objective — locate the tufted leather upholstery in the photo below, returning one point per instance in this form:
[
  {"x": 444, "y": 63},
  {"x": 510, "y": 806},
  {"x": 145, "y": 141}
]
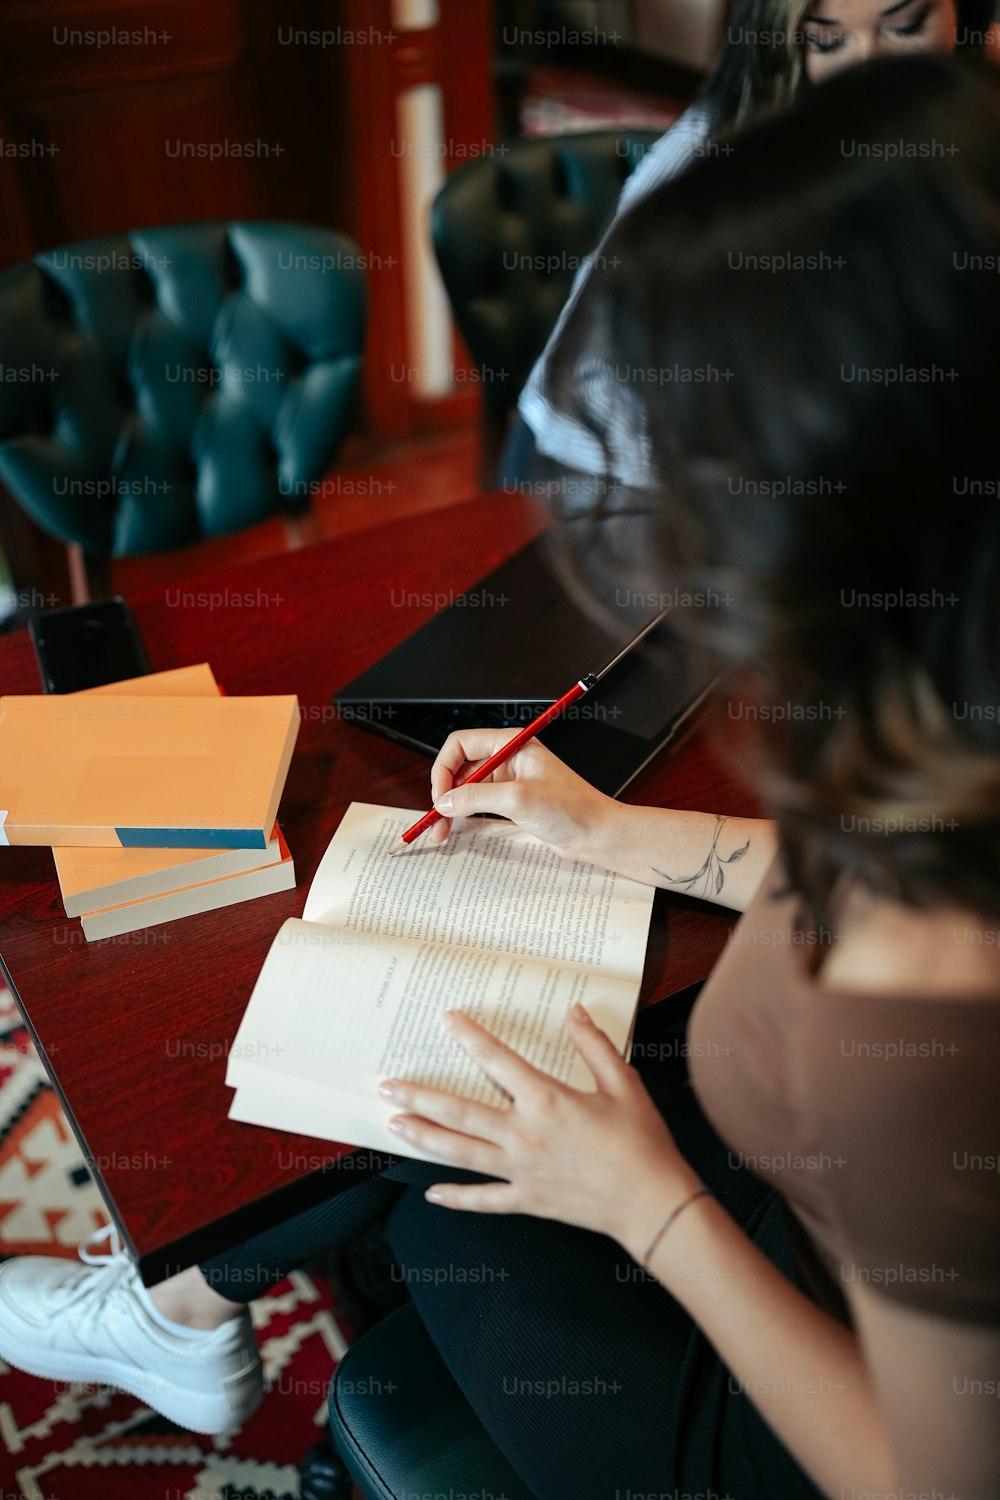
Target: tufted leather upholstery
[
  {"x": 509, "y": 231},
  {"x": 427, "y": 1439},
  {"x": 176, "y": 383}
]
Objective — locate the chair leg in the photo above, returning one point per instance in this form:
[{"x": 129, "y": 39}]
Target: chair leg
[
  {"x": 323, "y": 1474},
  {"x": 302, "y": 531},
  {"x": 89, "y": 577},
  {"x": 79, "y": 584},
  {"x": 37, "y": 562},
  {"x": 366, "y": 1290}
]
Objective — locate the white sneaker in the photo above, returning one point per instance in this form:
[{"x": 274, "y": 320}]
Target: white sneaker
[{"x": 95, "y": 1323}]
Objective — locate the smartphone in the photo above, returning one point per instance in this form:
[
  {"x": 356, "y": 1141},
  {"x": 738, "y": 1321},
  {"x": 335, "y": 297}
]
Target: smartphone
[{"x": 87, "y": 646}]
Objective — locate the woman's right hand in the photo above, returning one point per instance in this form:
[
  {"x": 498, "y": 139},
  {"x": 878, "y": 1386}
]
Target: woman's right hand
[
  {"x": 715, "y": 857},
  {"x": 534, "y": 789}
]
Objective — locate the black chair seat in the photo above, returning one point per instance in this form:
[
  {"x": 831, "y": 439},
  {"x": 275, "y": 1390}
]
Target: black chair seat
[{"x": 401, "y": 1424}]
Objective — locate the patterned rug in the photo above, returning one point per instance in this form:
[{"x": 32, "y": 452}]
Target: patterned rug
[{"x": 72, "y": 1442}]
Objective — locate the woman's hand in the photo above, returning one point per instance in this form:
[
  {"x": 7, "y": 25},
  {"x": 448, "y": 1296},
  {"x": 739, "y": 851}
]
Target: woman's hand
[
  {"x": 603, "y": 1161},
  {"x": 708, "y": 855},
  {"x": 534, "y": 789}
]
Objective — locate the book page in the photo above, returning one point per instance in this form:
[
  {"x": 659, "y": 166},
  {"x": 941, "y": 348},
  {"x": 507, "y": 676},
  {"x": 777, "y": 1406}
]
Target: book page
[
  {"x": 334, "y": 1012},
  {"x": 328, "y": 1114},
  {"x": 491, "y": 886},
  {"x": 493, "y": 923}
]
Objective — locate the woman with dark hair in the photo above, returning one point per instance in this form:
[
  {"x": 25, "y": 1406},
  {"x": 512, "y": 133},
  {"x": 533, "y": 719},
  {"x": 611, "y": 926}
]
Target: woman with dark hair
[
  {"x": 760, "y": 1260},
  {"x": 770, "y": 47},
  {"x": 839, "y": 488},
  {"x": 770, "y": 51}
]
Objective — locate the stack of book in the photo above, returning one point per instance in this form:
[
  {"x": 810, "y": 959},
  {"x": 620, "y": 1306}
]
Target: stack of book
[{"x": 157, "y": 795}]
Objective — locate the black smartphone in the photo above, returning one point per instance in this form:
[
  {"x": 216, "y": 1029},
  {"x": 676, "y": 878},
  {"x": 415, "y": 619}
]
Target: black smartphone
[{"x": 87, "y": 646}]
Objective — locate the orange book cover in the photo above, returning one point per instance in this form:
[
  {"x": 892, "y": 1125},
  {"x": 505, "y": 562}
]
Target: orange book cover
[
  {"x": 90, "y": 879},
  {"x": 197, "y": 681},
  {"x": 127, "y": 770}
]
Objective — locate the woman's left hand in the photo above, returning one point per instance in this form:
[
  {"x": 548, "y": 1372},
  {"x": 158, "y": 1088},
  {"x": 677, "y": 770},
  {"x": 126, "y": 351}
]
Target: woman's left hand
[{"x": 603, "y": 1161}]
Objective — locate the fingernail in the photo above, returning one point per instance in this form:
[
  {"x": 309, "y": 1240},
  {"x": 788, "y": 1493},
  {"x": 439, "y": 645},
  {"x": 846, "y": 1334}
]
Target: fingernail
[
  {"x": 433, "y": 1196},
  {"x": 398, "y": 1126},
  {"x": 387, "y": 1089},
  {"x": 448, "y": 1017},
  {"x": 579, "y": 1012},
  {"x": 444, "y": 805}
]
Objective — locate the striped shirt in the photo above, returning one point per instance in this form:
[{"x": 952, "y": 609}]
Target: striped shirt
[{"x": 611, "y": 405}]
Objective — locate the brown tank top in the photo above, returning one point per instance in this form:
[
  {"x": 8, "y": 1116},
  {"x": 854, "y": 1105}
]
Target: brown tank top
[{"x": 877, "y": 1117}]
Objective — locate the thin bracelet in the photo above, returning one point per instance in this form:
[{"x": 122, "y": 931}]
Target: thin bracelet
[{"x": 702, "y": 1192}]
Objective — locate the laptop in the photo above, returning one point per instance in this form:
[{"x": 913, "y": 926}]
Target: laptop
[{"x": 509, "y": 647}]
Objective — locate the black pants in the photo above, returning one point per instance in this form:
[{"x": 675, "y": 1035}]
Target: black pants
[{"x": 589, "y": 1376}]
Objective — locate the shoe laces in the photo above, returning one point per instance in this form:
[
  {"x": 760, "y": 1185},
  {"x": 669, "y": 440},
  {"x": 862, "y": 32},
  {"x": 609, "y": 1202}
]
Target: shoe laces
[{"x": 99, "y": 1275}]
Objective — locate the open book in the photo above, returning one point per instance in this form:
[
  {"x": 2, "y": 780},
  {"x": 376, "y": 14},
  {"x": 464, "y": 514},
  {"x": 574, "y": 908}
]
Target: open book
[{"x": 493, "y": 923}]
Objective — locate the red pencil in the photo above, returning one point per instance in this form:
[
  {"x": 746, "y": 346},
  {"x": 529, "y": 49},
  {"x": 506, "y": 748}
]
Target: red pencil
[{"x": 575, "y": 693}]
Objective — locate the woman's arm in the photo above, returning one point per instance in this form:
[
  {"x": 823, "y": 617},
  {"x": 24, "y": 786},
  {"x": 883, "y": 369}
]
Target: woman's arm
[
  {"x": 718, "y": 858},
  {"x": 605, "y": 1160},
  {"x": 804, "y": 1372},
  {"x": 906, "y": 1407}
]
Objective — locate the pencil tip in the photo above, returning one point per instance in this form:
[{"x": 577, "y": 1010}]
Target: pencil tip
[{"x": 399, "y": 846}]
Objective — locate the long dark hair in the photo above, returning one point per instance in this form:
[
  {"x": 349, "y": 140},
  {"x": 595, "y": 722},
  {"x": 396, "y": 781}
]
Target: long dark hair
[
  {"x": 825, "y": 300},
  {"x": 760, "y": 62},
  {"x": 760, "y": 65}
]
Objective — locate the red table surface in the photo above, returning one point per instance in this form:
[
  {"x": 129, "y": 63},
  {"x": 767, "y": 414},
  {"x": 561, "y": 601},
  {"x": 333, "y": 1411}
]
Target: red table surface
[{"x": 134, "y": 1030}]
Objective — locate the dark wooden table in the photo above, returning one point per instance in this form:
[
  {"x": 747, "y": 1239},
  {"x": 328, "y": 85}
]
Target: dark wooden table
[{"x": 134, "y": 1030}]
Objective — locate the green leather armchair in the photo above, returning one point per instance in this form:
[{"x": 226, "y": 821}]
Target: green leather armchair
[
  {"x": 176, "y": 383},
  {"x": 509, "y": 231}
]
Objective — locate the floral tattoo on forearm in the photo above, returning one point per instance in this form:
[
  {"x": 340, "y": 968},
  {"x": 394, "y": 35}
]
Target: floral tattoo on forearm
[{"x": 712, "y": 872}]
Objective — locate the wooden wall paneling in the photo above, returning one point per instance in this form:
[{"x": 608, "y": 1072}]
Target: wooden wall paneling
[
  {"x": 103, "y": 134},
  {"x": 288, "y": 87},
  {"x": 470, "y": 109},
  {"x": 209, "y": 118},
  {"x": 363, "y": 84}
]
